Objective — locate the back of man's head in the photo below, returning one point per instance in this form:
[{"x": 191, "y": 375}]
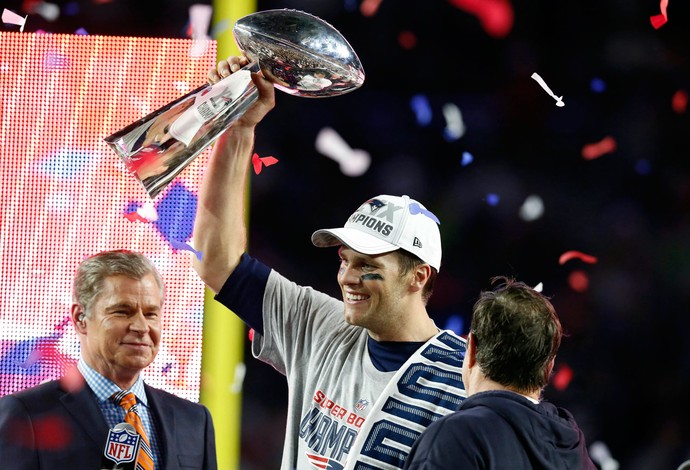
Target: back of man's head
[{"x": 516, "y": 333}]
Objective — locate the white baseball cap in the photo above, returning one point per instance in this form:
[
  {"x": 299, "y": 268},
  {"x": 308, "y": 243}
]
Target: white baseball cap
[{"x": 387, "y": 223}]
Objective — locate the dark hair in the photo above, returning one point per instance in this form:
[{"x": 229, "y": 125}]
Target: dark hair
[
  {"x": 91, "y": 273},
  {"x": 408, "y": 262},
  {"x": 517, "y": 333}
]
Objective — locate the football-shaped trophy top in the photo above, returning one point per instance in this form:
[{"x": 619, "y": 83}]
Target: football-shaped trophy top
[{"x": 300, "y": 53}]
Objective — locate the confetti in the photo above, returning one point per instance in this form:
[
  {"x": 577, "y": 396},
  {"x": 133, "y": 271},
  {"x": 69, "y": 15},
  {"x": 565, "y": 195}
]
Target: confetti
[
  {"x": 353, "y": 162},
  {"x": 493, "y": 199},
  {"x": 659, "y": 20},
  {"x": 135, "y": 216},
  {"x": 422, "y": 109},
  {"x": 48, "y": 432},
  {"x": 72, "y": 380},
  {"x": 369, "y": 7},
  {"x": 49, "y": 11},
  {"x": 407, "y": 40},
  {"x": 539, "y": 287},
  {"x": 258, "y": 162},
  {"x": 238, "y": 379},
  {"x": 532, "y": 208},
  {"x": 455, "y": 323},
  {"x": 455, "y": 126},
  {"x": 597, "y": 149},
  {"x": 573, "y": 254},
  {"x": 148, "y": 211},
  {"x": 178, "y": 245},
  {"x": 467, "y": 158},
  {"x": 71, "y": 9},
  {"x": 562, "y": 377},
  {"x": 417, "y": 209},
  {"x": 679, "y": 102},
  {"x": 199, "y": 21},
  {"x": 220, "y": 27},
  {"x": 540, "y": 81},
  {"x": 600, "y": 453},
  {"x": 597, "y": 85},
  {"x": 643, "y": 167},
  {"x": 578, "y": 281},
  {"x": 10, "y": 17},
  {"x": 495, "y": 16}
]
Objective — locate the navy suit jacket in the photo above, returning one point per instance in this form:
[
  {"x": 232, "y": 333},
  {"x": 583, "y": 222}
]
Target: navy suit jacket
[{"x": 47, "y": 427}]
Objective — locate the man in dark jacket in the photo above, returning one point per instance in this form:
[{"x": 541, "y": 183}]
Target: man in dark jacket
[
  {"x": 64, "y": 424},
  {"x": 513, "y": 340}
]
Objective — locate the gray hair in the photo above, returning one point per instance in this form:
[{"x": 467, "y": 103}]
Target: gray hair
[{"x": 93, "y": 271}]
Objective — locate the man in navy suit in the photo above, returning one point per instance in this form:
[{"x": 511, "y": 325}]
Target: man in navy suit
[{"x": 64, "y": 424}]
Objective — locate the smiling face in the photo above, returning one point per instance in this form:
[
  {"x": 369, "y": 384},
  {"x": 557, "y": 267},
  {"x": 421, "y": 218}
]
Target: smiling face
[
  {"x": 376, "y": 297},
  {"x": 121, "y": 331}
]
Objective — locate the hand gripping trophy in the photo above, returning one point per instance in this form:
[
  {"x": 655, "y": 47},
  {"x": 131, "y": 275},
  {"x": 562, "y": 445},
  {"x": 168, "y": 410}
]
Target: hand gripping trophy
[{"x": 299, "y": 53}]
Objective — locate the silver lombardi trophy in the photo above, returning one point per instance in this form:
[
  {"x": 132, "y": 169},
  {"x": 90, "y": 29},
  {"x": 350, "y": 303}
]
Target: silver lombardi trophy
[{"x": 299, "y": 53}]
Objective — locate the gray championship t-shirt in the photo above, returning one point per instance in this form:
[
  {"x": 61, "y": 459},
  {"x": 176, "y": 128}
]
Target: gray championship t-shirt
[{"x": 331, "y": 380}]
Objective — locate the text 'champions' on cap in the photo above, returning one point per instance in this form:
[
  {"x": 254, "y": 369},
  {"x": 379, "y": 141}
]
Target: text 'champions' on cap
[{"x": 387, "y": 223}]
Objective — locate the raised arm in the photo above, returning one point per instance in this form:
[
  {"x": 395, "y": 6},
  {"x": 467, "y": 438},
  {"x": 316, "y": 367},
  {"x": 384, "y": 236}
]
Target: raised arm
[{"x": 220, "y": 232}]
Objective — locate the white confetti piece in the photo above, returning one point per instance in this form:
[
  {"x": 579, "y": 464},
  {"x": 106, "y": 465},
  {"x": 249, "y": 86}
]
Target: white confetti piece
[
  {"x": 353, "y": 162},
  {"x": 559, "y": 99},
  {"x": 11, "y": 17}
]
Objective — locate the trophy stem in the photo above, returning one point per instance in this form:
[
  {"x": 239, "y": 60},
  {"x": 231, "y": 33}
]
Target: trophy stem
[
  {"x": 300, "y": 54},
  {"x": 158, "y": 147}
]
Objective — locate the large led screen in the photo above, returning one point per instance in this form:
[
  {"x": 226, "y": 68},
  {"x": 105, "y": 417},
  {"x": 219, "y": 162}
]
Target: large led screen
[{"x": 66, "y": 195}]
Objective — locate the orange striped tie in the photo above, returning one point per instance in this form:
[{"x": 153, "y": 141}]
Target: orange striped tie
[{"x": 128, "y": 401}]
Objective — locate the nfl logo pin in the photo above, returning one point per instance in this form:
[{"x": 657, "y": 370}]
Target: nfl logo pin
[{"x": 122, "y": 444}]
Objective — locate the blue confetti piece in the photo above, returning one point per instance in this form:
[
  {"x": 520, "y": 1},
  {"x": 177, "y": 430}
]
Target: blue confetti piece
[
  {"x": 597, "y": 85},
  {"x": 70, "y": 9},
  {"x": 178, "y": 245},
  {"x": 455, "y": 324},
  {"x": 467, "y": 158},
  {"x": 493, "y": 199},
  {"x": 422, "y": 109},
  {"x": 643, "y": 167},
  {"x": 417, "y": 209},
  {"x": 351, "y": 5}
]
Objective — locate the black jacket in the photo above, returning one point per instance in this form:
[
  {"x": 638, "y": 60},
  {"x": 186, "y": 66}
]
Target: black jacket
[
  {"x": 500, "y": 430},
  {"x": 49, "y": 428}
]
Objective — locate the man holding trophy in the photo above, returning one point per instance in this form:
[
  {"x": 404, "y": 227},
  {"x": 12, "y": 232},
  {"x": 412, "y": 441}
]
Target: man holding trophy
[{"x": 367, "y": 374}]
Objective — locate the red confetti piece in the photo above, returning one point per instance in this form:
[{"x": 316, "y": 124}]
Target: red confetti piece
[
  {"x": 495, "y": 16},
  {"x": 49, "y": 432},
  {"x": 250, "y": 334},
  {"x": 578, "y": 281},
  {"x": 563, "y": 377},
  {"x": 258, "y": 161},
  {"x": 72, "y": 380},
  {"x": 135, "y": 216},
  {"x": 369, "y": 7},
  {"x": 407, "y": 40},
  {"x": 679, "y": 102},
  {"x": 659, "y": 20},
  {"x": 573, "y": 254},
  {"x": 592, "y": 151}
]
